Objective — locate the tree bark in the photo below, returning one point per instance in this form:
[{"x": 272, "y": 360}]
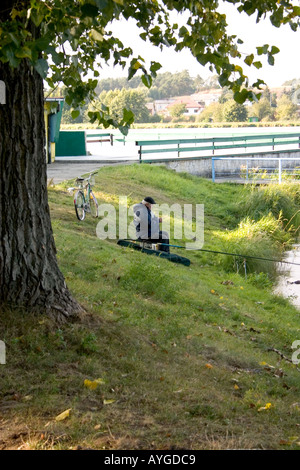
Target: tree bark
[{"x": 29, "y": 273}]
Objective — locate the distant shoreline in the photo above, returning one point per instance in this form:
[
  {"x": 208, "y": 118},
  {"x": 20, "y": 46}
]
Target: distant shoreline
[{"x": 188, "y": 125}]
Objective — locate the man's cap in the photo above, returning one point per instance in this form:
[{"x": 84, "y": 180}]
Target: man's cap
[{"x": 149, "y": 199}]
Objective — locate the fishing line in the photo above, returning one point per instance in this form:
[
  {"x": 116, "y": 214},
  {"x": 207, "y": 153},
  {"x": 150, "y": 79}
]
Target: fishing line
[{"x": 225, "y": 253}]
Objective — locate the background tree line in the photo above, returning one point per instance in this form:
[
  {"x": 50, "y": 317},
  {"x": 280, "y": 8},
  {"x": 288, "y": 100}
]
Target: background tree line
[
  {"x": 119, "y": 93},
  {"x": 165, "y": 85}
]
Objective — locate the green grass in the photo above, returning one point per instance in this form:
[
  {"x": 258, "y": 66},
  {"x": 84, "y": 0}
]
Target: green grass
[{"x": 187, "y": 355}]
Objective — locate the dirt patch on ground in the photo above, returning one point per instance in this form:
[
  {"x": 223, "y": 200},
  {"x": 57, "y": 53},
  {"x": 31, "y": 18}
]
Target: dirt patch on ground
[{"x": 14, "y": 436}]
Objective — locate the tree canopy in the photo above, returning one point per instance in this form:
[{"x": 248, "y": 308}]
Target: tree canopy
[
  {"x": 234, "y": 112},
  {"x": 66, "y": 41},
  {"x": 164, "y": 85},
  {"x": 117, "y": 100}
]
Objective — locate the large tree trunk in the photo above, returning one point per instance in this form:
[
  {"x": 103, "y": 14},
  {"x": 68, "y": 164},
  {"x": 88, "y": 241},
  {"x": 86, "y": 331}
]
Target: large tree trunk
[{"x": 29, "y": 274}]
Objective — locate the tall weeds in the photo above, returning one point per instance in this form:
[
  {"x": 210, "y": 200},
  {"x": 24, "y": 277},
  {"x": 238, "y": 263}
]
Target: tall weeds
[
  {"x": 283, "y": 201},
  {"x": 270, "y": 225}
]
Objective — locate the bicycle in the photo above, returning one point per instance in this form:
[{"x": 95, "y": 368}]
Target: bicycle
[{"x": 85, "y": 200}]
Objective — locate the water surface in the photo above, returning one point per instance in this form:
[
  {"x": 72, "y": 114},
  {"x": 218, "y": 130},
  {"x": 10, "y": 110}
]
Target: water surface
[{"x": 288, "y": 285}]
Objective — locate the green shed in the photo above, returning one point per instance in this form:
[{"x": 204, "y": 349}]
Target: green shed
[{"x": 71, "y": 144}]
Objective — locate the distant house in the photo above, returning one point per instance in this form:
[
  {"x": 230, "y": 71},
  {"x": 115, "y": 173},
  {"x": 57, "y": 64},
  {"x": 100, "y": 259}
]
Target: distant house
[
  {"x": 151, "y": 108},
  {"x": 191, "y": 106},
  {"x": 162, "y": 105},
  {"x": 159, "y": 106},
  {"x": 206, "y": 97}
]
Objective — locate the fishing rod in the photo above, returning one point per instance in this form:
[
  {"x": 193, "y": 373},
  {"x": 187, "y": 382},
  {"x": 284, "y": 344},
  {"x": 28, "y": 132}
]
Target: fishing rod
[{"x": 225, "y": 253}]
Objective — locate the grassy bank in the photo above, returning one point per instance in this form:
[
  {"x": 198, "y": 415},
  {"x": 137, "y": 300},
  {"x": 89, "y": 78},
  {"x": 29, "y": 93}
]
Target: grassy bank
[{"x": 170, "y": 357}]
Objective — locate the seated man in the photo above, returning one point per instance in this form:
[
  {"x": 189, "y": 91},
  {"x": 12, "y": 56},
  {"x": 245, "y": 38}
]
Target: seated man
[{"x": 147, "y": 224}]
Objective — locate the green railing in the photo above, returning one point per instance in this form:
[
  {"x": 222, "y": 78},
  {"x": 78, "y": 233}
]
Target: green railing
[
  {"x": 214, "y": 144},
  {"x": 100, "y": 137}
]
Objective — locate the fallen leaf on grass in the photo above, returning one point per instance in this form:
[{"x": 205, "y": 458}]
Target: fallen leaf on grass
[
  {"x": 108, "y": 402},
  {"x": 267, "y": 407},
  {"x": 65, "y": 414},
  {"x": 93, "y": 384},
  {"x": 283, "y": 442},
  {"x": 290, "y": 441},
  {"x": 208, "y": 366},
  {"x": 28, "y": 398},
  {"x": 212, "y": 291}
]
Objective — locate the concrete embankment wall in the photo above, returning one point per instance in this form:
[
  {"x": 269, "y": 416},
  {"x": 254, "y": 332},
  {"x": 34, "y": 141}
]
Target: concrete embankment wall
[{"x": 202, "y": 166}]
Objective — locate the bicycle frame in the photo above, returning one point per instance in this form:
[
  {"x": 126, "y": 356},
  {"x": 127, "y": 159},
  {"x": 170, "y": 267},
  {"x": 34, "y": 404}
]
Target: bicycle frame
[
  {"x": 84, "y": 188},
  {"x": 86, "y": 191}
]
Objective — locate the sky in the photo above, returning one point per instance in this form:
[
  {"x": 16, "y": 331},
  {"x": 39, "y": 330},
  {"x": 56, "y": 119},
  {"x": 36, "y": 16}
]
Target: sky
[{"x": 287, "y": 63}]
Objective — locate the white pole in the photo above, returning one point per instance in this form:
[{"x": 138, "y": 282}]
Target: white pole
[{"x": 280, "y": 168}]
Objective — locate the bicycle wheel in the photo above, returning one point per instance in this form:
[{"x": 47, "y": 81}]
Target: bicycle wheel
[
  {"x": 93, "y": 205},
  {"x": 79, "y": 205}
]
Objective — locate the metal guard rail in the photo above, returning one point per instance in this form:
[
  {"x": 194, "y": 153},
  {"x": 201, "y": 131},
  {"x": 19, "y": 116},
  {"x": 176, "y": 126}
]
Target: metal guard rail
[
  {"x": 244, "y": 141},
  {"x": 265, "y": 159}
]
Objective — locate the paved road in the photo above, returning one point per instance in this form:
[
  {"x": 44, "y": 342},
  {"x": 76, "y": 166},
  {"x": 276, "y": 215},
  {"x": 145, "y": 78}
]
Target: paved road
[{"x": 67, "y": 170}]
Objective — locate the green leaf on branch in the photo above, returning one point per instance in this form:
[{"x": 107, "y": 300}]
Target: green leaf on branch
[
  {"x": 128, "y": 116},
  {"x": 36, "y": 16},
  {"x": 274, "y": 50},
  {"x": 262, "y": 49},
  {"x": 89, "y": 11},
  {"x": 24, "y": 53},
  {"x": 258, "y": 83},
  {"x": 41, "y": 66},
  {"x": 249, "y": 59},
  {"x": 75, "y": 113},
  {"x": 147, "y": 80},
  {"x": 154, "y": 67},
  {"x": 223, "y": 79},
  {"x": 135, "y": 65},
  {"x": 124, "y": 129},
  {"x": 14, "y": 39},
  {"x": 257, "y": 64},
  {"x": 183, "y": 31},
  {"x": 144, "y": 36},
  {"x": 98, "y": 37},
  {"x": 241, "y": 96},
  {"x": 131, "y": 73}
]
